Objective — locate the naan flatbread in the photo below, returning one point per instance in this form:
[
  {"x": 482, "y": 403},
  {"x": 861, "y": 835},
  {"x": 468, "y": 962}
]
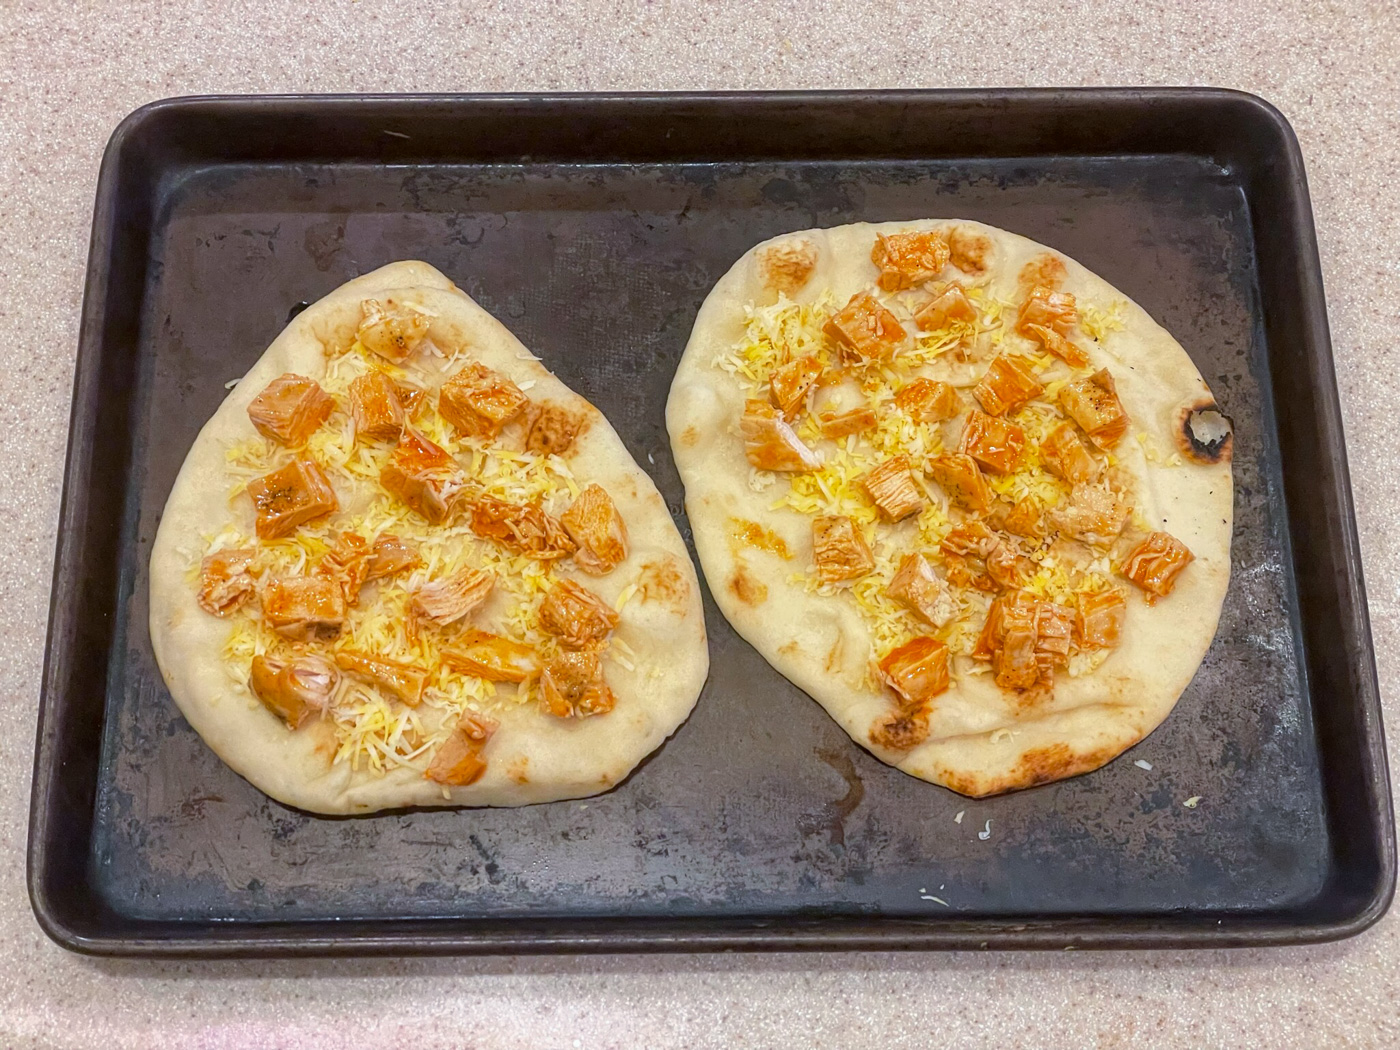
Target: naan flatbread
[
  {"x": 892, "y": 434},
  {"x": 530, "y": 493}
]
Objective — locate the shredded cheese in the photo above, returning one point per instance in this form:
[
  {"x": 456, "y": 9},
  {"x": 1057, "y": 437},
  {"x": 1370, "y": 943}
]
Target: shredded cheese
[
  {"x": 372, "y": 731},
  {"x": 1099, "y": 323},
  {"x": 786, "y": 330}
]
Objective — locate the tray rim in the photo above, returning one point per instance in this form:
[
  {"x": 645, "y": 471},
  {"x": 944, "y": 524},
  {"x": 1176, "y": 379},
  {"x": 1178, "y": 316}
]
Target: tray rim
[{"x": 422, "y": 936}]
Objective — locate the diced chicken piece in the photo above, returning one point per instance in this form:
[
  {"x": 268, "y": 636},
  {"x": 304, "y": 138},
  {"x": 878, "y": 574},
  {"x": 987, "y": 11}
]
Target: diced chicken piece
[
  {"x": 791, "y": 383},
  {"x": 526, "y": 528},
  {"x": 891, "y": 487},
  {"x": 595, "y": 525},
  {"x": 958, "y": 475},
  {"x": 1099, "y": 624},
  {"x": 491, "y": 657},
  {"x": 969, "y": 250},
  {"x": 978, "y": 557},
  {"x": 1007, "y": 384},
  {"x": 900, "y": 730},
  {"x": 1025, "y": 518},
  {"x": 990, "y": 639},
  {"x": 1067, "y": 457},
  {"x": 290, "y": 408},
  {"x": 996, "y": 444},
  {"x": 391, "y": 329},
  {"x": 458, "y": 760},
  {"x": 927, "y": 401},
  {"x": 225, "y": 580},
  {"x": 576, "y": 616},
  {"x": 304, "y": 608},
  {"x": 787, "y": 266},
  {"x": 1058, "y": 345},
  {"x": 478, "y": 401},
  {"x": 291, "y": 496},
  {"x": 971, "y": 539},
  {"x": 835, "y": 427},
  {"x": 375, "y": 408},
  {"x": 1093, "y": 404},
  {"x": 951, "y": 306},
  {"x": 1046, "y": 271},
  {"x": 924, "y": 593},
  {"x": 1014, "y": 660},
  {"x": 1025, "y": 640},
  {"x": 411, "y": 397},
  {"x": 1054, "y": 632},
  {"x": 572, "y": 686},
  {"x": 424, "y": 477},
  {"x": 447, "y": 600},
  {"x": 864, "y": 330},
  {"x": 917, "y": 670},
  {"x": 839, "y": 549},
  {"x": 1094, "y": 514},
  {"x": 348, "y": 564},
  {"x": 1049, "y": 309},
  {"x": 968, "y": 572},
  {"x": 1007, "y": 566},
  {"x": 312, "y": 679},
  {"x": 1156, "y": 562},
  {"x": 390, "y": 556},
  {"x": 550, "y": 429},
  {"x": 770, "y": 443},
  {"x": 294, "y": 689},
  {"x": 405, "y": 681},
  {"x": 907, "y": 259}
]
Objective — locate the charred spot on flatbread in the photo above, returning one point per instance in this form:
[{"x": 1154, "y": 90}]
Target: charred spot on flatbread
[
  {"x": 660, "y": 581},
  {"x": 836, "y": 654},
  {"x": 552, "y": 428},
  {"x": 1046, "y": 270},
  {"x": 1042, "y": 765},
  {"x": 1035, "y": 766},
  {"x": 900, "y": 730},
  {"x": 969, "y": 250},
  {"x": 746, "y": 588},
  {"x": 1203, "y": 433}
]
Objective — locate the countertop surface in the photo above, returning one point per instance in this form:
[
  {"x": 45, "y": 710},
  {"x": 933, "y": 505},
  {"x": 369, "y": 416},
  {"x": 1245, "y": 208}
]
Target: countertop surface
[{"x": 68, "y": 74}]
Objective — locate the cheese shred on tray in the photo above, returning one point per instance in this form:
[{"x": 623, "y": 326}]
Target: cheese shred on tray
[{"x": 950, "y": 423}]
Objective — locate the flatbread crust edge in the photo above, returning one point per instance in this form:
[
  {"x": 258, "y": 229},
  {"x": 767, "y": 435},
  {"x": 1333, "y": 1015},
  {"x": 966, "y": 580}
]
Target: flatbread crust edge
[
  {"x": 979, "y": 743},
  {"x": 533, "y": 757}
]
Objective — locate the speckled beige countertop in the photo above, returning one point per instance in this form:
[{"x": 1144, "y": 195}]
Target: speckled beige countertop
[{"x": 70, "y": 71}]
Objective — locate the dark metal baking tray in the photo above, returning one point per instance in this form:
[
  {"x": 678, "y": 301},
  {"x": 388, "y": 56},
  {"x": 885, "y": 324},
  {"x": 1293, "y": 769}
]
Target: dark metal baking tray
[{"x": 593, "y": 226}]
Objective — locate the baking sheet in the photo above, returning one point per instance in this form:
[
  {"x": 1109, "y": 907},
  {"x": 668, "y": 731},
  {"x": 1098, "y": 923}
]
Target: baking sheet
[{"x": 759, "y": 824}]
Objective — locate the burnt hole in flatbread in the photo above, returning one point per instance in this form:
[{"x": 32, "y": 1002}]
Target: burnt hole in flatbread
[{"x": 1203, "y": 433}]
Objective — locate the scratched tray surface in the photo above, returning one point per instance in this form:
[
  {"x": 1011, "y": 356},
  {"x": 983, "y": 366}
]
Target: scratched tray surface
[{"x": 760, "y": 805}]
